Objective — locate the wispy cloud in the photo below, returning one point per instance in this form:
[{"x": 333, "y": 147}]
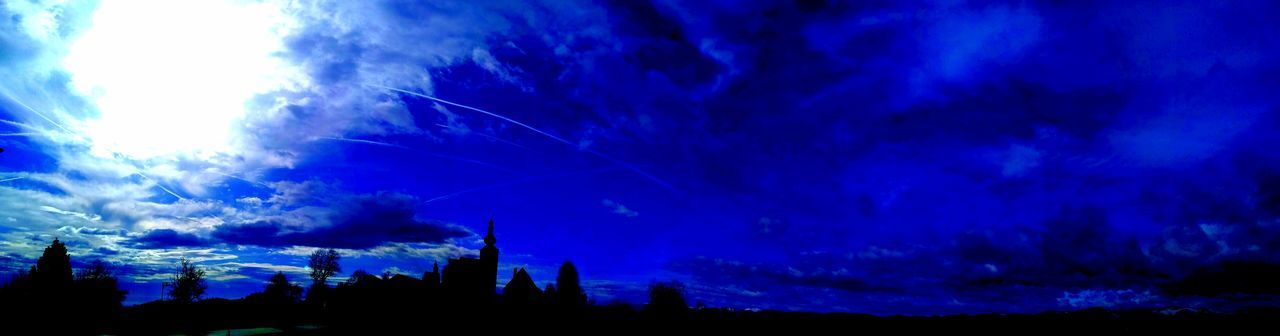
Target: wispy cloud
[{"x": 618, "y": 208}]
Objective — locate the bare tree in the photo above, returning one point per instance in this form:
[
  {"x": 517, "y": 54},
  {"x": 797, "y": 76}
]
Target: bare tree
[
  {"x": 324, "y": 264},
  {"x": 188, "y": 283}
]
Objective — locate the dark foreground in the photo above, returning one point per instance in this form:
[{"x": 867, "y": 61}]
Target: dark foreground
[{"x": 236, "y": 317}]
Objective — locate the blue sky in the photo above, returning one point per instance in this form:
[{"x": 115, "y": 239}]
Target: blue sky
[{"x": 914, "y": 157}]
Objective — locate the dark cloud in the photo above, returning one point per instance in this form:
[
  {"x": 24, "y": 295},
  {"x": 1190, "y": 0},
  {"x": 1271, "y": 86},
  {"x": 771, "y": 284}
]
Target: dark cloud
[
  {"x": 106, "y": 251},
  {"x": 1231, "y": 277},
  {"x": 168, "y": 238},
  {"x": 356, "y": 223},
  {"x": 1074, "y": 257}
]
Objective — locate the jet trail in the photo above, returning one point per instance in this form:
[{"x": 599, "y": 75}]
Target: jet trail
[
  {"x": 19, "y": 125},
  {"x": 243, "y": 179},
  {"x": 518, "y": 182},
  {"x": 46, "y": 118},
  {"x": 495, "y": 115},
  {"x": 18, "y": 134},
  {"x": 494, "y": 138},
  {"x": 370, "y": 142},
  {"x": 161, "y": 186},
  {"x": 632, "y": 168},
  {"x": 442, "y": 156},
  {"x": 12, "y": 178},
  {"x": 19, "y": 102},
  {"x": 628, "y": 166}
]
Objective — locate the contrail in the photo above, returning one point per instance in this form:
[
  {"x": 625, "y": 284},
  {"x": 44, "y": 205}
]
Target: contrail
[
  {"x": 161, "y": 186},
  {"x": 18, "y": 134},
  {"x": 46, "y": 118},
  {"x": 19, "y": 102},
  {"x": 13, "y": 178},
  {"x": 494, "y": 138},
  {"x": 20, "y": 125},
  {"x": 370, "y": 142},
  {"x": 495, "y": 115},
  {"x": 243, "y": 179},
  {"x": 519, "y": 182},
  {"x": 447, "y": 157},
  {"x": 630, "y": 167}
]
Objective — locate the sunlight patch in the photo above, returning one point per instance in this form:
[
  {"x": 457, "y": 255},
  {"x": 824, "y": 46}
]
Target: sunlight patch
[{"x": 172, "y": 78}]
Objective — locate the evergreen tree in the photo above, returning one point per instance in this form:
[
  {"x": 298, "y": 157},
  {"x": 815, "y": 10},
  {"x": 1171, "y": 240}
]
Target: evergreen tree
[
  {"x": 53, "y": 270},
  {"x": 569, "y": 293}
]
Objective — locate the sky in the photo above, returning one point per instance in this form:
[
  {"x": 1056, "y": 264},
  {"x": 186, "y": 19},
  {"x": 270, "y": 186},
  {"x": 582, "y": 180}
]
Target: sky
[{"x": 884, "y": 157}]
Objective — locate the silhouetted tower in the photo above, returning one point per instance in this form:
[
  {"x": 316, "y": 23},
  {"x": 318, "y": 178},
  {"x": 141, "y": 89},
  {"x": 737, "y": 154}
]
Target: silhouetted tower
[
  {"x": 432, "y": 278},
  {"x": 489, "y": 258}
]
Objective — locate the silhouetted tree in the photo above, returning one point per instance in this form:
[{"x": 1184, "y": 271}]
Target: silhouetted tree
[
  {"x": 569, "y": 293},
  {"x": 50, "y": 293},
  {"x": 550, "y": 293},
  {"x": 53, "y": 269},
  {"x": 97, "y": 287},
  {"x": 20, "y": 291},
  {"x": 21, "y": 279},
  {"x": 666, "y": 298},
  {"x": 324, "y": 264},
  {"x": 188, "y": 283},
  {"x": 280, "y": 291}
]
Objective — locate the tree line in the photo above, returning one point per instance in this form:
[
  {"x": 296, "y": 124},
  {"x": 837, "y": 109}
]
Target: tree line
[{"x": 50, "y": 291}]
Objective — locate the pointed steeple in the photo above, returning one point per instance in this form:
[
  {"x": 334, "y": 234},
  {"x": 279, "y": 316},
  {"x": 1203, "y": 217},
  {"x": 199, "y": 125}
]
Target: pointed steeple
[
  {"x": 435, "y": 267},
  {"x": 489, "y": 240}
]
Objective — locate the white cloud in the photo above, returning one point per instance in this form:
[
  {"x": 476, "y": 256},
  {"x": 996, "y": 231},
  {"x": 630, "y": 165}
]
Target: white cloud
[
  {"x": 619, "y": 208},
  {"x": 176, "y": 83},
  {"x": 81, "y": 215},
  {"x": 128, "y": 113}
]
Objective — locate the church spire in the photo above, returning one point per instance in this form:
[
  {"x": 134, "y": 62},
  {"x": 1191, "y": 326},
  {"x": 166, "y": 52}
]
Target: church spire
[{"x": 489, "y": 240}]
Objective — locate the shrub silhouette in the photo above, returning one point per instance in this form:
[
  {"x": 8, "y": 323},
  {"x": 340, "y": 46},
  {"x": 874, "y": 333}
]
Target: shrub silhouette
[
  {"x": 279, "y": 291},
  {"x": 666, "y": 298},
  {"x": 97, "y": 288}
]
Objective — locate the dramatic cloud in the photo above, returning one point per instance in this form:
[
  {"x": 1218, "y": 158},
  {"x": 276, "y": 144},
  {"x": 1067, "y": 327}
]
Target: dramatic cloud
[
  {"x": 168, "y": 238},
  {"x": 891, "y": 157},
  {"x": 361, "y": 222}
]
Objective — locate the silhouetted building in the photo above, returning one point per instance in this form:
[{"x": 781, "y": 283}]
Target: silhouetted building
[
  {"x": 521, "y": 290},
  {"x": 432, "y": 278},
  {"x": 471, "y": 279}
]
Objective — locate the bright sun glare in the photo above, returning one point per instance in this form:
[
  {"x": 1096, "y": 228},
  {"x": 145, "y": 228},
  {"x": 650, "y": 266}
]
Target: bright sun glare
[{"x": 172, "y": 77}]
